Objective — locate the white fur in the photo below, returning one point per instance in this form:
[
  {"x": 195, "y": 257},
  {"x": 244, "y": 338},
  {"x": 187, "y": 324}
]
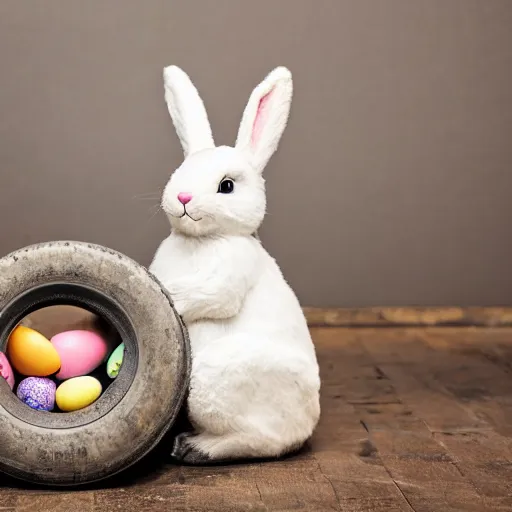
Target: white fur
[
  {"x": 255, "y": 381},
  {"x": 187, "y": 111},
  {"x": 279, "y": 83}
]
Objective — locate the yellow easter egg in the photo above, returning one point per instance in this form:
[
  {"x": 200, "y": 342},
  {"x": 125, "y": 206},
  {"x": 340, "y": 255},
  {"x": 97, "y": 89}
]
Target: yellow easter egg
[
  {"x": 77, "y": 393},
  {"x": 31, "y": 353}
]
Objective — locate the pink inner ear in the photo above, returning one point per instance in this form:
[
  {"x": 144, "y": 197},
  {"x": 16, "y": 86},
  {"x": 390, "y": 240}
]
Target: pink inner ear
[{"x": 259, "y": 120}]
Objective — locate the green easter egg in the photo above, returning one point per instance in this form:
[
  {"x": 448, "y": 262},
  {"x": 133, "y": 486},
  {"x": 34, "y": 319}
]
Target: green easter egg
[{"x": 115, "y": 361}]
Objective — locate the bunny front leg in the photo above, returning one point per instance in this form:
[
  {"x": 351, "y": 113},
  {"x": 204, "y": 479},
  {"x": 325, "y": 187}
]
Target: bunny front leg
[
  {"x": 227, "y": 271},
  {"x": 214, "y": 296}
]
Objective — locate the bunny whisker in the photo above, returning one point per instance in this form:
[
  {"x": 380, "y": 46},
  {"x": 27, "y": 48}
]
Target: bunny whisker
[
  {"x": 154, "y": 213},
  {"x": 148, "y": 195}
]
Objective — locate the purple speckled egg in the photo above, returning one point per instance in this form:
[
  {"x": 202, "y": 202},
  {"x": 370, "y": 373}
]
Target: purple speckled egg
[{"x": 38, "y": 393}]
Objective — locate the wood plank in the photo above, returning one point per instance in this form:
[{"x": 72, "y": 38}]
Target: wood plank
[
  {"x": 284, "y": 485},
  {"x": 340, "y": 444},
  {"x": 448, "y": 363},
  {"x": 419, "y": 465},
  {"x": 485, "y": 458},
  {"x": 464, "y": 369},
  {"x": 8, "y": 498},
  {"x": 409, "y": 317},
  {"x": 443, "y": 496},
  {"x": 425, "y": 471},
  {"x": 55, "y": 502},
  {"x": 348, "y": 374},
  {"x": 411, "y": 366}
]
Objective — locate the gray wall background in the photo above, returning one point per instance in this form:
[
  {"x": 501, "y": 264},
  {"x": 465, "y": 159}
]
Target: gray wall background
[{"x": 393, "y": 181}]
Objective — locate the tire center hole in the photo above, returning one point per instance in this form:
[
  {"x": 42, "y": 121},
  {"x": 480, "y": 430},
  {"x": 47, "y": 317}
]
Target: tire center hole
[
  {"x": 69, "y": 355},
  {"x": 87, "y": 349}
]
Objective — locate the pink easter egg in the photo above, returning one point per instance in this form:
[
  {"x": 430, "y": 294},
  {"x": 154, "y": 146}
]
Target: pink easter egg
[
  {"x": 81, "y": 352},
  {"x": 6, "y": 370}
]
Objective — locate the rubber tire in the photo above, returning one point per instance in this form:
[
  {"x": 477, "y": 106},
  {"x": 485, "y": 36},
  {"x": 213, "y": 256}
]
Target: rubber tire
[{"x": 133, "y": 426}]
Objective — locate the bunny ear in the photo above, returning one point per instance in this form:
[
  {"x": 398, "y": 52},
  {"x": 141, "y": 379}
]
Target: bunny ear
[
  {"x": 187, "y": 111},
  {"x": 265, "y": 117}
]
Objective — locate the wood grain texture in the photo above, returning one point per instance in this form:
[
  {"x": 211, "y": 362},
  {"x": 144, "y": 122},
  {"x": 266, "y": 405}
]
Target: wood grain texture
[
  {"x": 413, "y": 420},
  {"x": 408, "y": 317}
]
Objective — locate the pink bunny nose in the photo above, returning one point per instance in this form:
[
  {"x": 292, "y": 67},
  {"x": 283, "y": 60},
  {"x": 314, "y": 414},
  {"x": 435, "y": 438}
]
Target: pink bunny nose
[{"x": 184, "y": 197}]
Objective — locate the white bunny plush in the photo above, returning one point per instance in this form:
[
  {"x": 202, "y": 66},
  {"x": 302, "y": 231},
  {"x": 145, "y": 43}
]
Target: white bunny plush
[{"x": 254, "y": 390}]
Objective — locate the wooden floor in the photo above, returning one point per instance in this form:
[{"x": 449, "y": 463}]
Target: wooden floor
[{"x": 412, "y": 420}]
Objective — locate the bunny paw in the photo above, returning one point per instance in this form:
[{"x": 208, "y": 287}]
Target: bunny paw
[{"x": 184, "y": 450}]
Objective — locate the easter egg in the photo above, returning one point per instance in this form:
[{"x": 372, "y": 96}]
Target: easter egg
[
  {"x": 37, "y": 392},
  {"x": 81, "y": 352},
  {"x": 77, "y": 393},
  {"x": 115, "y": 361},
  {"x": 31, "y": 353},
  {"x": 6, "y": 370}
]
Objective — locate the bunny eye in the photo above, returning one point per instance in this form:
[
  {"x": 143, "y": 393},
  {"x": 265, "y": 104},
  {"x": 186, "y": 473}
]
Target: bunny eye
[{"x": 226, "y": 187}]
